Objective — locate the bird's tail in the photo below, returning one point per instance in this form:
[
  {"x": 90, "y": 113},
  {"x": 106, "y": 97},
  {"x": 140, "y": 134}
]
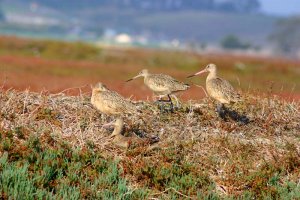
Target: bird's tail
[{"x": 187, "y": 85}]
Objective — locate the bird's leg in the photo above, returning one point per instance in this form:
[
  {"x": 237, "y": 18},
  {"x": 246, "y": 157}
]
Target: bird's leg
[
  {"x": 177, "y": 101},
  {"x": 161, "y": 108},
  {"x": 221, "y": 111},
  {"x": 159, "y": 103},
  {"x": 172, "y": 106},
  {"x": 159, "y": 99}
]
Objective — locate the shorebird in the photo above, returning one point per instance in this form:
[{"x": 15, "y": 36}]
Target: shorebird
[
  {"x": 218, "y": 88},
  {"x": 161, "y": 85},
  {"x": 118, "y": 139},
  {"x": 110, "y": 102},
  {"x": 125, "y": 142}
]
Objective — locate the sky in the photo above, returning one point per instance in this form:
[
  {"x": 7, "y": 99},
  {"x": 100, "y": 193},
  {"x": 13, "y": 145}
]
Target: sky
[{"x": 281, "y": 7}]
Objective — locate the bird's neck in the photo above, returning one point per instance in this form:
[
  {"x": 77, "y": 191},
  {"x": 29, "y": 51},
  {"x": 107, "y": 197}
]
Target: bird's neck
[
  {"x": 117, "y": 130},
  {"x": 94, "y": 94},
  {"x": 96, "y": 91},
  {"x": 146, "y": 76},
  {"x": 211, "y": 75}
]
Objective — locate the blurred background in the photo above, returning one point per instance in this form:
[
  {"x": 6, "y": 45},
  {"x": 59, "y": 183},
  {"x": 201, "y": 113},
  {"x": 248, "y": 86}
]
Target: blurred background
[{"x": 67, "y": 45}]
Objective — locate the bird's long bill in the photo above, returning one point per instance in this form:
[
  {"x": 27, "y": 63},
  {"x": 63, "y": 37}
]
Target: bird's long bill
[
  {"x": 129, "y": 80},
  {"x": 201, "y": 72},
  {"x": 133, "y": 78},
  {"x": 108, "y": 124}
]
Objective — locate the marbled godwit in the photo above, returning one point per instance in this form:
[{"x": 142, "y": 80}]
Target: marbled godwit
[
  {"x": 118, "y": 139},
  {"x": 218, "y": 88},
  {"x": 124, "y": 142},
  {"x": 161, "y": 84},
  {"x": 110, "y": 102}
]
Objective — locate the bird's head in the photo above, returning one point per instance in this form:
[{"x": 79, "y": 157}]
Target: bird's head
[
  {"x": 143, "y": 73},
  {"x": 100, "y": 87},
  {"x": 211, "y": 68}
]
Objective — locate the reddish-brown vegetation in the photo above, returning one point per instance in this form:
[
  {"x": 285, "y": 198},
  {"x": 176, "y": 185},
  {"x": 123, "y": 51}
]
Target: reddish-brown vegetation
[{"x": 41, "y": 65}]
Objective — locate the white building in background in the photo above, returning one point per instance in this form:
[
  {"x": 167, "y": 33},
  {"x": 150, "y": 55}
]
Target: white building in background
[{"x": 123, "y": 38}]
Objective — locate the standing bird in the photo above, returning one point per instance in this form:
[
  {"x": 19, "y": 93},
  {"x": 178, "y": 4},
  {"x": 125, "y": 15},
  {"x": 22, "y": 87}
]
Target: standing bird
[
  {"x": 110, "y": 102},
  {"x": 218, "y": 88},
  {"x": 161, "y": 84}
]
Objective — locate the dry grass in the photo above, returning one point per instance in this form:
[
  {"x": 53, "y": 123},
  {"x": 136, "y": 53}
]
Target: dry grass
[{"x": 211, "y": 155}]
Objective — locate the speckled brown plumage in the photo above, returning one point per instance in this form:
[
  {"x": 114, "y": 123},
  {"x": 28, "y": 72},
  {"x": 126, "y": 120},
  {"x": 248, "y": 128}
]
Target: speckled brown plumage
[
  {"x": 218, "y": 88},
  {"x": 161, "y": 84},
  {"x": 221, "y": 90},
  {"x": 127, "y": 142},
  {"x": 118, "y": 139},
  {"x": 110, "y": 102}
]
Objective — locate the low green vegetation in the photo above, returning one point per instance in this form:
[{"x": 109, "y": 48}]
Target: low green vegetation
[
  {"x": 50, "y": 169},
  {"x": 50, "y": 49}
]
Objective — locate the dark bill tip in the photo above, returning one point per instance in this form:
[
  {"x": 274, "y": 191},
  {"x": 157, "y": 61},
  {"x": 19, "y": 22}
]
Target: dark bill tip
[
  {"x": 129, "y": 80},
  {"x": 190, "y": 76}
]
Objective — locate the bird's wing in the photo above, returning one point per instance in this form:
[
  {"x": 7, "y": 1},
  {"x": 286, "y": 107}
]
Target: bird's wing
[
  {"x": 117, "y": 102},
  {"x": 163, "y": 82},
  {"x": 157, "y": 83},
  {"x": 224, "y": 89}
]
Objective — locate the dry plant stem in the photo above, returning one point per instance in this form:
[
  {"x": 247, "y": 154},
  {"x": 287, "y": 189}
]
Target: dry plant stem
[
  {"x": 202, "y": 89},
  {"x": 159, "y": 193}
]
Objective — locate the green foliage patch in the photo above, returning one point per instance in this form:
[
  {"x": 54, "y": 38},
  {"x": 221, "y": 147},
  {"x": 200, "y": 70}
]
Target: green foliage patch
[
  {"x": 35, "y": 170},
  {"x": 49, "y": 49}
]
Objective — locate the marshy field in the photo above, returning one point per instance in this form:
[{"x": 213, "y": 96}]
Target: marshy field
[{"x": 53, "y": 145}]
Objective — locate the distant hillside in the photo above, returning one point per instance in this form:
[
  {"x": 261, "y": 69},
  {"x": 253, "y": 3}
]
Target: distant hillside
[
  {"x": 158, "y": 5},
  {"x": 201, "y": 21}
]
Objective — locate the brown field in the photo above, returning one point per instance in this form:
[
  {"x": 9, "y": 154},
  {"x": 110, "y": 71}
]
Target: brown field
[{"x": 73, "y": 67}]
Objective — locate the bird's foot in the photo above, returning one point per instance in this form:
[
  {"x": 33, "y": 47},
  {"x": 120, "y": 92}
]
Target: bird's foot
[{"x": 161, "y": 104}]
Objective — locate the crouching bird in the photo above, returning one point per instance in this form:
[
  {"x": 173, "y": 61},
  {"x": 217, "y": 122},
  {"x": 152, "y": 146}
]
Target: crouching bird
[
  {"x": 127, "y": 142},
  {"x": 110, "y": 102}
]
